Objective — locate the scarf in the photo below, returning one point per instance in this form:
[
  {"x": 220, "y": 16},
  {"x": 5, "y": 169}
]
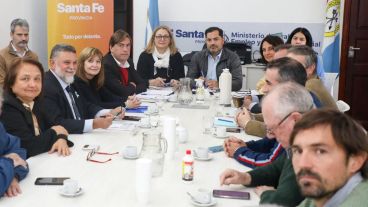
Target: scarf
[{"x": 161, "y": 60}]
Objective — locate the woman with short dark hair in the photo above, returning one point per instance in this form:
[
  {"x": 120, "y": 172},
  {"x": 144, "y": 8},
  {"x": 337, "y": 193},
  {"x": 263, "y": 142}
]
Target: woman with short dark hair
[{"x": 24, "y": 115}]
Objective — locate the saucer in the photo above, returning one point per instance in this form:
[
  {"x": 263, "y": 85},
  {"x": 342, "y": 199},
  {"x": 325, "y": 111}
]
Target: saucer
[
  {"x": 131, "y": 157},
  {"x": 203, "y": 159},
  {"x": 79, "y": 192},
  {"x": 213, "y": 202}
]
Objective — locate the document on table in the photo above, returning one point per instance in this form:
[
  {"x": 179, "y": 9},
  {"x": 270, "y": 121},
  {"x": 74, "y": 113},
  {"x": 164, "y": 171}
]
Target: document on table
[
  {"x": 156, "y": 94},
  {"x": 124, "y": 126}
]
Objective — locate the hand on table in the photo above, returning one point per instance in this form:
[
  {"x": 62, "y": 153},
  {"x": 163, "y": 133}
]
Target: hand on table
[
  {"x": 103, "y": 122},
  {"x": 231, "y": 176},
  {"x": 13, "y": 189},
  {"x": 242, "y": 118},
  {"x": 61, "y": 147},
  {"x": 212, "y": 84},
  {"x": 232, "y": 144}
]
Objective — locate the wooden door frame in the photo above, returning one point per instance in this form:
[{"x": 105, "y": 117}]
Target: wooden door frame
[{"x": 344, "y": 49}]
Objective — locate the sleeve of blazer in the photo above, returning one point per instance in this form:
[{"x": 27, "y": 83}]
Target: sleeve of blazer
[
  {"x": 177, "y": 65},
  {"x": 57, "y": 106},
  {"x": 2, "y": 70},
  {"x": 15, "y": 122},
  {"x": 145, "y": 66},
  {"x": 236, "y": 71},
  {"x": 255, "y": 128},
  {"x": 194, "y": 70},
  {"x": 141, "y": 84}
]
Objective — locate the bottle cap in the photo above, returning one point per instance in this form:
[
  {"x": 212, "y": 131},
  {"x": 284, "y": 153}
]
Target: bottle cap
[{"x": 188, "y": 152}]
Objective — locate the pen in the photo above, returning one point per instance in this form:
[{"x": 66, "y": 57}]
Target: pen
[{"x": 226, "y": 120}]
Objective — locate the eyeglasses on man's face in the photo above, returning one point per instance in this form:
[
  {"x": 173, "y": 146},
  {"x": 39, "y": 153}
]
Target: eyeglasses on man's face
[{"x": 273, "y": 129}]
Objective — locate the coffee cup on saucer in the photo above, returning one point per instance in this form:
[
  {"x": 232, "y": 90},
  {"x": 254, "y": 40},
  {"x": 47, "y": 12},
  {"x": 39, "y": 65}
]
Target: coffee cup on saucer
[
  {"x": 220, "y": 131},
  {"x": 202, "y": 152},
  {"x": 202, "y": 196},
  {"x": 70, "y": 186},
  {"x": 130, "y": 152}
]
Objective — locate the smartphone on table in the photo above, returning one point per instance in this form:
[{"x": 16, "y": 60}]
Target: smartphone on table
[
  {"x": 233, "y": 130},
  {"x": 231, "y": 194},
  {"x": 132, "y": 118},
  {"x": 50, "y": 180}
]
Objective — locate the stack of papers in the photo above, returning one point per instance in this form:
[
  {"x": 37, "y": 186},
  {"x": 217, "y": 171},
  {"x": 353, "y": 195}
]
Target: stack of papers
[
  {"x": 225, "y": 121},
  {"x": 123, "y": 126},
  {"x": 156, "y": 94},
  {"x": 242, "y": 94}
]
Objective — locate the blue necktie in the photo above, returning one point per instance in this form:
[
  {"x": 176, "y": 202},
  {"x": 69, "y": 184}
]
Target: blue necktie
[{"x": 70, "y": 91}]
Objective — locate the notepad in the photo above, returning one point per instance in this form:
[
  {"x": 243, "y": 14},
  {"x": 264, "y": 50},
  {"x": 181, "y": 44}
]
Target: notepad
[
  {"x": 140, "y": 109},
  {"x": 225, "y": 121}
]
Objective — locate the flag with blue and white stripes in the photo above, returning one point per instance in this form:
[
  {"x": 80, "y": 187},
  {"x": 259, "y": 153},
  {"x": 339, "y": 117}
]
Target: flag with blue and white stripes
[
  {"x": 331, "y": 41},
  {"x": 153, "y": 19}
]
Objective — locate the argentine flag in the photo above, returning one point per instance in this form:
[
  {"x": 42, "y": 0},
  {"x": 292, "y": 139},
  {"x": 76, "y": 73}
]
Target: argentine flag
[
  {"x": 331, "y": 41},
  {"x": 153, "y": 19}
]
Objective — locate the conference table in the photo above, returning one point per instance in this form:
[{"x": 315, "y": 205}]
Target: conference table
[{"x": 113, "y": 183}]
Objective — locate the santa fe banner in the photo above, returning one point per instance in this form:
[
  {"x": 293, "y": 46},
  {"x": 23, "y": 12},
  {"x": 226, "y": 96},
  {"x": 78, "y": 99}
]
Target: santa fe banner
[{"x": 81, "y": 23}]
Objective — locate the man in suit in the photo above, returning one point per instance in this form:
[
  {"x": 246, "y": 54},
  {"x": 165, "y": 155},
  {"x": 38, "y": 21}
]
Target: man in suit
[
  {"x": 18, "y": 46},
  {"x": 121, "y": 78},
  {"x": 208, "y": 63},
  {"x": 65, "y": 106}
]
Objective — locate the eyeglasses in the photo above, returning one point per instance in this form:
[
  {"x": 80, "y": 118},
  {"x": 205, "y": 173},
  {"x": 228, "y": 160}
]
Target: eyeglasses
[
  {"x": 160, "y": 37},
  {"x": 272, "y": 130},
  {"x": 93, "y": 152}
]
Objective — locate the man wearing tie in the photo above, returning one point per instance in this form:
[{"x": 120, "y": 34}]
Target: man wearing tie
[
  {"x": 64, "y": 105},
  {"x": 121, "y": 78}
]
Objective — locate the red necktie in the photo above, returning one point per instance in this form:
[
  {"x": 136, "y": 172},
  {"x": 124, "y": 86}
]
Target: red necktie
[{"x": 124, "y": 75}]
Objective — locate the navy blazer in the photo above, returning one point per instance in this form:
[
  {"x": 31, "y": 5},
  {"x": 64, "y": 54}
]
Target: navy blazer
[
  {"x": 101, "y": 97},
  {"x": 58, "y": 107},
  {"x": 113, "y": 79},
  {"x": 18, "y": 121}
]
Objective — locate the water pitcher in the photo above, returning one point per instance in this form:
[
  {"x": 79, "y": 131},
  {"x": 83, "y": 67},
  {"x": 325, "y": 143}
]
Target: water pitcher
[
  {"x": 154, "y": 147},
  {"x": 185, "y": 92}
]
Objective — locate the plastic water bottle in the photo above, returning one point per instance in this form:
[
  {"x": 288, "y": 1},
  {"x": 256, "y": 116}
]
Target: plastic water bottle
[
  {"x": 225, "y": 87},
  {"x": 187, "y": 166}
]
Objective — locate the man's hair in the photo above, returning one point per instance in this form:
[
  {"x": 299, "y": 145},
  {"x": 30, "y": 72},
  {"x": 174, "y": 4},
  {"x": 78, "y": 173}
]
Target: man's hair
[
  {"x": 346, "y": 132},
  {"x": 288, "y": 70},
  {"x": 282, "y": 47},
  {"x": 211, "y": 29},
  {"x": 18, "y": 22},
  {"x": 307, "y": 52},
  {"x": 61, "y": 48},
  {"x": 272, "y": 40},
  {"x": 98, "y": 80},
  {"x": 289, "y": 97},
  {"x": 118, "y": 36}
]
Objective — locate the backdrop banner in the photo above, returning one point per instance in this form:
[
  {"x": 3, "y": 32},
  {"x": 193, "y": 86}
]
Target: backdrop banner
[
  {"x": 189, "y": 36},
  {"x": 81, "y": 23}
]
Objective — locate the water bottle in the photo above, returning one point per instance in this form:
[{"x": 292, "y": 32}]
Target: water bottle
[
  {"x": 187, "y": 166},
  {"x": 225, "y": 87}
]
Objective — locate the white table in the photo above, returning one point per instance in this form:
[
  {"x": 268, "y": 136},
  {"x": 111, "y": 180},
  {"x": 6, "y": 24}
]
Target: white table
[{"x": 113, "y": 183}]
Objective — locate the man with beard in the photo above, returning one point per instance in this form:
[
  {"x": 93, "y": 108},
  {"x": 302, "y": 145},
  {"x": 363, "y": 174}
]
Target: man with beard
[
  {"x": 209, "y": 63},
  {"x": 18, "y": 46},
  {"x": 276, "y": 182},
  {"x": 63, "y": 104},
  {"x": 329, "y": 154}
]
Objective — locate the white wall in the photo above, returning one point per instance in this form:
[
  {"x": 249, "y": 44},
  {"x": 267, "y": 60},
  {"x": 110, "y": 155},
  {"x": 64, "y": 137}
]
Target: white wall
[
  {"x": 34, "y": 11},
  {"x": 262, "y": 11}
]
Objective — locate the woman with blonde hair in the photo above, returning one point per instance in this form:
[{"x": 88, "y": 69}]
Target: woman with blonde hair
[
  {"x": 161, "y": 62},
  {"x": 89, "y": 82}
]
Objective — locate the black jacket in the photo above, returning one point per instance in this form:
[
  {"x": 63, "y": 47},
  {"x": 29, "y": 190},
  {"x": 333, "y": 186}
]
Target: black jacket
[
  {"x": 58, "y": 108},
  {"x": 113, "y": 78},
  {"x": 175, "y": 71},
  {"x": 18, "y": 121},
  {"x": 101, "y": 97}
]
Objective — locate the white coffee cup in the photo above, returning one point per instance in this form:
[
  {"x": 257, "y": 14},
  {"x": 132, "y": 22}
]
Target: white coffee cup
[
  {"x": 145, "y": 121},
  {"x": 202, "y": 152},
  {"x": 70, "y": 186},
  {"x": 220, "y": 131},
  {"x": 203, "y": 196},
  {"x": 182, "y": 134},
  {"x": 130, "y": 151}
]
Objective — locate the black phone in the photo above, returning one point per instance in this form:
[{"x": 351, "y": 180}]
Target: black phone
[
  {"x": 132, "y": 118},
  {"x": 233, "y": 130},
  {"x": 50, "y": 180},
  {"x": 231, "y": 194}
]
